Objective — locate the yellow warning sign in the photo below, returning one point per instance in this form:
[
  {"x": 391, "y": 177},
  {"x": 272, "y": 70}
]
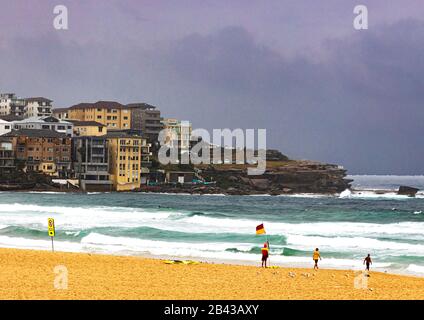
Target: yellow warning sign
[{"x": 50, "y": 226}]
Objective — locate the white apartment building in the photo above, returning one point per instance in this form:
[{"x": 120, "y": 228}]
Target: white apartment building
[
  {"x": 46, "y": 122},
  {"x": 38, "y": 107},
  {"x": 10, "y": 104}
]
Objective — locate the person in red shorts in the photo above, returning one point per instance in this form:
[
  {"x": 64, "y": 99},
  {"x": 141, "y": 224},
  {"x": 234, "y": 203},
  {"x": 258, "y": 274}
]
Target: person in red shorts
[{"x": 265, "y": 253}]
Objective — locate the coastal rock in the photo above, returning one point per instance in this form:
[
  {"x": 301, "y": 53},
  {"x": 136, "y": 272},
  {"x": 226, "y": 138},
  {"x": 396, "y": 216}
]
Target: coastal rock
[{"x": 407, "y": 191}]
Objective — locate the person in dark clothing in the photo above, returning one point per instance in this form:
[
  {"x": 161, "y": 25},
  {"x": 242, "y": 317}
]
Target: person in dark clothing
[{"x": 368, "y": 262}]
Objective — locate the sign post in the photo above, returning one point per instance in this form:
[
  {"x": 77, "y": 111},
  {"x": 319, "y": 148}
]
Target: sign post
[{"x": 51, "y": 230}]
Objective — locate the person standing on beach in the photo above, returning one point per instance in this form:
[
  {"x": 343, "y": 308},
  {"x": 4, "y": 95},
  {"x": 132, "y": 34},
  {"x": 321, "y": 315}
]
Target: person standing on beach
[
  {"x": 316, "y": 256},
  {"x": 367, "y": 262},
  {"x": 265, "y": 253}
]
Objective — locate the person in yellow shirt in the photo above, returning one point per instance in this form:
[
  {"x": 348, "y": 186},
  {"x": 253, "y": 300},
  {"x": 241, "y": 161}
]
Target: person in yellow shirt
[{"x": 316, "y": 256}]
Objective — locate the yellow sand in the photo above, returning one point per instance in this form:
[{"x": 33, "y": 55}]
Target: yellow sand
[{"x": 27, "y": 274}]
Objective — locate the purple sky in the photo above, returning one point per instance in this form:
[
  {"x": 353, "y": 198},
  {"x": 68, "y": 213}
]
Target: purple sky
[{"x": 323, "y": 90}]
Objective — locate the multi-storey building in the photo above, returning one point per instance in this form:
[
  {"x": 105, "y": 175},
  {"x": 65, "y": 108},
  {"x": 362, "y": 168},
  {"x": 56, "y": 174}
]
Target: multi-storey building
[
  {"x": 44, "y": 151},
  {"x": 124, "y": 160},
  {"x": 10, "y": 104},
  {"x": 112, "y": 114},
  {"x": 7, "y": 156},
  {"x": 146, "y": 119},
  {"x": 177, "y": 134},
  {"x": 90, "y": 159},
  {"x": 46, "y": 123},
  {"x": 88, "y": 128},
  {"x": 38, "y": 107}
]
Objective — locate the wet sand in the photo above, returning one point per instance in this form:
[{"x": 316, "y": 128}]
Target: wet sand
[{"x": 29, "y": 274}]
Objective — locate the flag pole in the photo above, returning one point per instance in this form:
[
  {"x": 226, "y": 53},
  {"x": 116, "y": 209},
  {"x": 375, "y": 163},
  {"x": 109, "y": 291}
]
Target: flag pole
[{"x": 269, "y": 250}]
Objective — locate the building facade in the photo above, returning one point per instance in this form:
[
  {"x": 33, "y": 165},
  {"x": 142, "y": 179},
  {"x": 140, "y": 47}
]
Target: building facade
[
  {"x": 7, "y": 156},
  {"x": 125, "y": 161},
  {"x": 10, "y": 104},
  {"x": 60, "y": 113},
  {"x": 43, "y": 151},
  {"x": 88, "y": 128},
  {"x": 146, "y": 119},
  {"x": 109, "y": 113},
  {"x": 177, "y": 134},
  {"x": 38, "y": 107},
  {"x": 90, "y": 159}
]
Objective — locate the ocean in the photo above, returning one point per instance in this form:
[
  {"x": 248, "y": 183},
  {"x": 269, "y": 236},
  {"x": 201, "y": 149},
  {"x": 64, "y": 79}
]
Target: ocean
[{"x": 220, "y": 228}]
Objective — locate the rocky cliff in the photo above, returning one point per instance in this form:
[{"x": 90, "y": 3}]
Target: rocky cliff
[{"x": 281, "y": 177}]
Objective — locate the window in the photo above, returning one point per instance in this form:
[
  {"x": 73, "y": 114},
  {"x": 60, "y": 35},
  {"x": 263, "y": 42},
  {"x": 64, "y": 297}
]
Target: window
[
  {"x": 61, "y": 128},
  {"x": 99, "y": 117}
]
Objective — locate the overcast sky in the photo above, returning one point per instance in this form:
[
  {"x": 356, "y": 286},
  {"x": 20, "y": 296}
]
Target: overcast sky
[{"x": 322, "y": 89}]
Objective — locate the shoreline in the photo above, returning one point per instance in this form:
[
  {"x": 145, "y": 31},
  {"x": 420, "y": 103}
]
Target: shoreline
[
  {"x": 355, "y": 193},
  {"x": 29, "y": 274}
]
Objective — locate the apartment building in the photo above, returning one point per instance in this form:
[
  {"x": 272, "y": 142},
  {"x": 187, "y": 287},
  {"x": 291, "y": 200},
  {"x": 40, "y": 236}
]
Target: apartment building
[
  {"x": 177, "y": 134},
  {"x": 10, "y": 104},
  {"x": 44, "y": 151},
  {"x": 90, "y": 157},
  {"x": 7, "y": 156},
  {"x": 88, "y": 128},
  {"x": 45, "y": 123},
  {"x": 38, "y": 107},
  {"x": 109, "y": 113},
  {"x": 124, "y": 160},
  {"x": 146, "y": 119}
]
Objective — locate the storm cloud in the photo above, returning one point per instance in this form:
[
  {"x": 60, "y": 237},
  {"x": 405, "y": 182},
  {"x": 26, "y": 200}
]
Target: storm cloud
[{"x": 323, "y": 91}]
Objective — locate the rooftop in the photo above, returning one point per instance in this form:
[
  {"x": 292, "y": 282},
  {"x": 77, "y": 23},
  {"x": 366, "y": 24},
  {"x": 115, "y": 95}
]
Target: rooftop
[
  {"x": 99, "y": 105},
  {"x": 121, "y": 134},
  {"x": 42, "y": 119},
  {"x": 38, "y": 133},
  {"x": 141, "y": 105},
  {"x": 60, "y": 109},
  {"x": 38, "y": 99},
  {"x": 11, "y": 117},
  {"x": 78, "y": 123}
]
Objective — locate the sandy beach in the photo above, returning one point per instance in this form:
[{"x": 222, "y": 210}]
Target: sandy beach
[{"x": 28, "y": 274}]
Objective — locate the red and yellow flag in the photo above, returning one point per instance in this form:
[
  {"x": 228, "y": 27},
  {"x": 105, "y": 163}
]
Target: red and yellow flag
[{"x": 260, "y": 229}]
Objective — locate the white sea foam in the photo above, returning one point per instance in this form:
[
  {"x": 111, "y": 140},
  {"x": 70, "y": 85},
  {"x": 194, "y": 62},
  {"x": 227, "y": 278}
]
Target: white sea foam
[
  {"x": 36, "y": 244},
  {"x": 415, "y": 268},
  {"x": 80, "y": 218},
  {"x": 354, "y": 244}
]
